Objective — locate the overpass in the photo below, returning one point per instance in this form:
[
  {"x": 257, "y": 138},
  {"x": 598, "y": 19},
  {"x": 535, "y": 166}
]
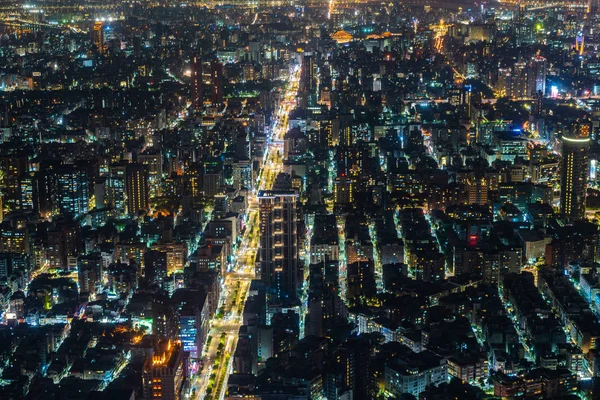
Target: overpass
[
  {"x": 29, "y": 24},
  {"x": 52, "y": 6}
]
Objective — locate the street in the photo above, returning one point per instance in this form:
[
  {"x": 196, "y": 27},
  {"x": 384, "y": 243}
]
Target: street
[{"x": 211, "y": 379}]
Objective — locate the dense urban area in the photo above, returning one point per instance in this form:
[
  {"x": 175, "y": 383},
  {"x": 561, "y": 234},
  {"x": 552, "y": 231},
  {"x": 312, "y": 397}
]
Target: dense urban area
[{"x": 303, "y": 199}]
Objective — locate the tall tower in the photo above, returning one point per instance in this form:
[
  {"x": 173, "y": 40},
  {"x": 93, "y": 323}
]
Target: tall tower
[
  {"x": 538, "y": 66},
  {"x": 136, "y": 188},
  {"x": 98, "y": 36},
  {"x": 216, "y": 82},
  {"x": 574, "y": 171},
  {"x": 279, "y": 242},
  {"x": 197, "y": 84}
]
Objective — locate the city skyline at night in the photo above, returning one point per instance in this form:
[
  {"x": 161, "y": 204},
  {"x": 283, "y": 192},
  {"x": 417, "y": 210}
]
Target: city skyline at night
[{"x": 320, "y": 200}]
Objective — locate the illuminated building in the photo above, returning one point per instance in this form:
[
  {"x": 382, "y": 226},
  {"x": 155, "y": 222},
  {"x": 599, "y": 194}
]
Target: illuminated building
[
  {"x": 249, "y": 73},
  {"x": 413, "y": 372},
  {"x": 197, "y": 84},
  {"x": 55, "y": 249},
  {"x": 13, "y": 236},
  {"x": 477, "y": 191},
  {"x": 164, "y": 372},
  {"x": 358, "y": 245},
  {"x": 11, "y": 169},
  {"x": 525, "y": 79},
  {"x": 70, "y": 194},
  {"x": 89, "y": 273},
  {"x": 242, "y": 174},
  {"x": 538, "y": 103},
  {"x": 13, "y": 262},
  {"x": 176, "y": 255},
  {"x": 216, "y": 82},
  {"x": 98, "y": 36},
  {"x": 221, "y": 207},
  {"x": 324, "y": 244},
  {"x": 192, "y": 309},
  {"x": 212, "y": 257},
  {"x": 538, "y": 67},
  {"x": 344, "y": 190},
  {"x": 188, "y": 332},
  {"x": 342, "y": 37},
  {"x": 307, "y": 80},
  {"x": 26, "y": 185},
  {"x": 279, "y": 241},
  {"x": 574, "y": 171},
  {"x": 116, "y": 188},
  {"x": 342, "y": 130},
  {"x": 518, "y": 81},
  {"x": 16, "y": 307},
  {"x": 155, "y": 168},
  {"x": 212, "y": 178},
  {"x": 125, "y": 252},
  {"x": 137, "y": 188},
  {"x": 580, "y": 43}
]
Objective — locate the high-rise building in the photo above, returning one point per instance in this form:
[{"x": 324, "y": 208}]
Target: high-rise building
[
  {"x": 26, "y": 191},
  {"x": 98, "y": 36},
  {"x": 538, "y": 103},
  {"x": 71, "y": 192},
  {"x": 212, "y": 178},
  {"x": 197, "y": 84},
  {"x": 11, "y": 169},
  {"x": 115, "y": 195},
  {"x": 307, "y": 80},
  {"x": 574, "y": 171},
  {"x": 164, "y": 372},
  {"x": 477, "y": 191},
  {"x": 279, "y": 241},
  {"x": 343, "y": 190},
  {"x": 221, "y": 207},
  {"x": 216, "y": 77},
  {"x": 192, "y": 311},
  {"x": 176, "y": 254},
  {"x": 100, "y": 194},
  {"x": 154, "y": 162},
  {"x": 89, "y": 273},
  {"x": 518, "y": 82},
  {"x": 342, "y": 129},
  {"x": 136, "y": 188},
  {"x": 538, "y": 74},
  {"x": 56, "y": 253},
  {"x": 155, "y": 265}
]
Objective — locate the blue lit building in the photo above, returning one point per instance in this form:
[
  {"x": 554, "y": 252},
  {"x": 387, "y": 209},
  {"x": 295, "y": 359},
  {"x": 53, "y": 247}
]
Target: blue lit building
[
  {"x": 193, "y": 317},
  {"x": 188, "y": 333}
]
